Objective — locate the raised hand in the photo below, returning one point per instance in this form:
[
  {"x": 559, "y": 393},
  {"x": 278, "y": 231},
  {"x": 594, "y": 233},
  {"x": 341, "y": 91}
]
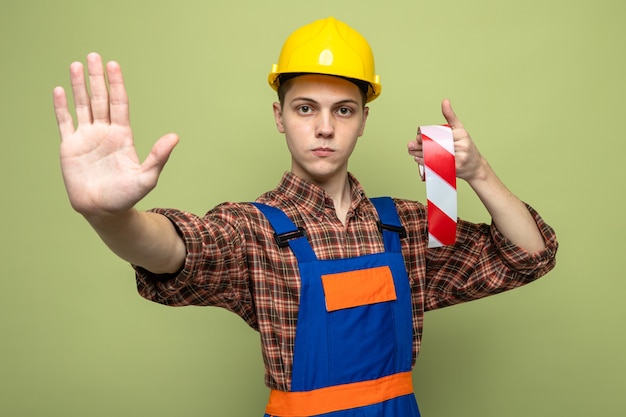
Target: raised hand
[
  {"x": 509, "y": 213},
  {"x": 102, "y": 172},
  {"x": 469, "y": 161}
]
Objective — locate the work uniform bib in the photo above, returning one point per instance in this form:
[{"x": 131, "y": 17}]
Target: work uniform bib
[{"x": 353, "y": 345}]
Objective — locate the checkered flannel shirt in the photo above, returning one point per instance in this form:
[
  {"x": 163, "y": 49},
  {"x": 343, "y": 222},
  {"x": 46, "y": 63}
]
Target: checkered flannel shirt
[{"x": 233, "y": 262}]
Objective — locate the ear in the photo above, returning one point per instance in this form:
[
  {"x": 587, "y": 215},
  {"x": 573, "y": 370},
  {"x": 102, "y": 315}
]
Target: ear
[
  {"x": 278, "y": 117},
  {"x": 366, "y": 112}
]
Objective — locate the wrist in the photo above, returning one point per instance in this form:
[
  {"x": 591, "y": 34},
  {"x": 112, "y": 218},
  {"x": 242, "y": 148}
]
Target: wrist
[
  {"x": 111, "y": 220},
  {"x": 482, "y": 172}
]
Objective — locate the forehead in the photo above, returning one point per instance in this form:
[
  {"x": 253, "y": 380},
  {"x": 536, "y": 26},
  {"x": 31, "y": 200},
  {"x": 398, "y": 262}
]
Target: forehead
[{"x": 317, "y": 86}]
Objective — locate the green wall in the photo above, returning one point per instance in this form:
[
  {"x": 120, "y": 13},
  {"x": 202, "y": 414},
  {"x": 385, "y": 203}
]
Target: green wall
[{"x": 539, "y": 84}]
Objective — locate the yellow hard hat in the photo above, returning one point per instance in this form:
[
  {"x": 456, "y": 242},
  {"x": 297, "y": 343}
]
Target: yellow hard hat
[{"x": 328, "y": 46}]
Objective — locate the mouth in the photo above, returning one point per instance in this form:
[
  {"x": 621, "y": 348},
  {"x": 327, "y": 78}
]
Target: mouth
[{"x": 322, "y": 152}]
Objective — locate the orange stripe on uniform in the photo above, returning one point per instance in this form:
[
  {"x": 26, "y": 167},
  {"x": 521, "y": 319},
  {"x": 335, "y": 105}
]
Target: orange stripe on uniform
[
  {"x": 339, "y": 397},
  {"x": 357, "y": 288}
]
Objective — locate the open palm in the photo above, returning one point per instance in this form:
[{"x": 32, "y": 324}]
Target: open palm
[{"x": 100, "y": 166}]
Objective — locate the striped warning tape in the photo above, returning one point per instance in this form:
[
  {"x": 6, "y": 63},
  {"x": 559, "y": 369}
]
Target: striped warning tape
[{"x": 440, "y": 175}]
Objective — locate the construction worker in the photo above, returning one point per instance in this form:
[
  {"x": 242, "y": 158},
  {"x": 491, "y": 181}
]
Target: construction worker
[{"x": 336, "y": 283}]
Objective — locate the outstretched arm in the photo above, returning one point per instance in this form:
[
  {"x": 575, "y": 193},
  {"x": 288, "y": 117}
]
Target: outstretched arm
[
  {"x": 103, "y": 176},
  {"x": 508, "y": 213}
]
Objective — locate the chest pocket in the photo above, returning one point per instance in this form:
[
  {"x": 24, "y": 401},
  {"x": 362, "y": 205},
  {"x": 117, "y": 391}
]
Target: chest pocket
[{"x": 358, "y": 288}]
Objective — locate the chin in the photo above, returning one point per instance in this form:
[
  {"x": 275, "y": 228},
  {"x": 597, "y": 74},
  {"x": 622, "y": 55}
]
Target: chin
[{"x": 321, "y": 172}]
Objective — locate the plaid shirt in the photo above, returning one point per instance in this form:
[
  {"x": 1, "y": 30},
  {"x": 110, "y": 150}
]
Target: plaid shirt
[{"x": 233, "y": 262}]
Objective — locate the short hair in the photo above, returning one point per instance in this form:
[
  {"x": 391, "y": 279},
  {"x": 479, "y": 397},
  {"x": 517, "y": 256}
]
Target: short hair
[{"x": 283, "y": 85}]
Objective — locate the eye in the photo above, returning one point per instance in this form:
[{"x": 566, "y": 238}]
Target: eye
[
  {"x": 304, "y": 109},
  {"x": 345, "y": 111}
]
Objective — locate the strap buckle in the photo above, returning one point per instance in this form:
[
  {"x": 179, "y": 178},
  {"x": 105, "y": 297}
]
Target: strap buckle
[
  {"x": 396, "y": 229},
  {"x": 283, "y": 239}
]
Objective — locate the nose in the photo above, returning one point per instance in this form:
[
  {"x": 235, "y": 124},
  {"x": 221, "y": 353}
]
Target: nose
[{"x": 325, "y": 125}]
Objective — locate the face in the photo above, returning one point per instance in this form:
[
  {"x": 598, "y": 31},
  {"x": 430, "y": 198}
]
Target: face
[{"x": 322, "y": 117}]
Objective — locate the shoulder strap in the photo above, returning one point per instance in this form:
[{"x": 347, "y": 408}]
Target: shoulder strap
[
  {"x": 389, "y": 223},
  {"x": 286, "y": 233}
]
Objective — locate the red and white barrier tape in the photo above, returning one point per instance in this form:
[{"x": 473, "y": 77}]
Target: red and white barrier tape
[{"x": 439, "y": 172}]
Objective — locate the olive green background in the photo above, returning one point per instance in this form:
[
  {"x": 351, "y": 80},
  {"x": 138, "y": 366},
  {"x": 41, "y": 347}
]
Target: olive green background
[{"x": 539, "y": 84}]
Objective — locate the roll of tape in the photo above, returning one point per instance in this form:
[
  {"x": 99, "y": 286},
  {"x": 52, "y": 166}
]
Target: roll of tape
[{"x": 439, "y": 172}]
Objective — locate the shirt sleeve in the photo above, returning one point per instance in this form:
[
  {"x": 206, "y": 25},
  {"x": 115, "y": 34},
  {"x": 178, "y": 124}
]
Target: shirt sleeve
[
  {"x": 484, "y": 262},
  {"x": 214, "y": 272}
]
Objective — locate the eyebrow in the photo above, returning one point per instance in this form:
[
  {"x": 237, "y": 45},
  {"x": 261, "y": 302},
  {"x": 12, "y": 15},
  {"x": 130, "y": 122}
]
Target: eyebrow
[{"x": 310, "y": 100}]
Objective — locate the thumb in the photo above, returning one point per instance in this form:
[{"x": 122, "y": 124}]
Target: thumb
[
  {"x": 450, "y": 115},
  {"x": 160, "y": 153}
]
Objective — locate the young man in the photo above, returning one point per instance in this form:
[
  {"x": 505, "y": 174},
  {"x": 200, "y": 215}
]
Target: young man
[{"x": 335, "y": 283}]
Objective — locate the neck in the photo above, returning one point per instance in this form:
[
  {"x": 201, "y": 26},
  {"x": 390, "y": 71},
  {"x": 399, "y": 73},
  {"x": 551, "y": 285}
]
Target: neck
[
  {"x": 341, "y": 195},
  {"x": 337, "y": 188}
]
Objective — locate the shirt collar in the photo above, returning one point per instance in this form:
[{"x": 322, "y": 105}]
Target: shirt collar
[{"x": 313, "y": 198}]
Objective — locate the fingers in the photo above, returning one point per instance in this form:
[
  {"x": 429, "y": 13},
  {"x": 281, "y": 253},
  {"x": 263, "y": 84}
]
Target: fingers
[
  {"x": 79, "y": 91},
  {"x": 450, "y": 115},
  {"x": 106, "y": 104},
  {"x": 468, "y": 158},
  {"x": 159, "y": 154},
  {"x": 414, "y": 148},
  {"x": 118, "y": 100},
  {"x": 63, "y": 116},
  {"x": 99, "y": 91},
  {"x": 458, "y": 131}
]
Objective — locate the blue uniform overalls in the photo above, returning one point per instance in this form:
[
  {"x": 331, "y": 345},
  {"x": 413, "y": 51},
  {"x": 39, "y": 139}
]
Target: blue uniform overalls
[{"x": 353, "y": 345}]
